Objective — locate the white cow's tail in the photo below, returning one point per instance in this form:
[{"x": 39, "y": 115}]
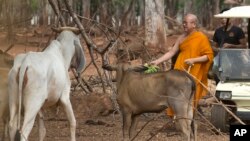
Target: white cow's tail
[{"x": 21, "y": 85}]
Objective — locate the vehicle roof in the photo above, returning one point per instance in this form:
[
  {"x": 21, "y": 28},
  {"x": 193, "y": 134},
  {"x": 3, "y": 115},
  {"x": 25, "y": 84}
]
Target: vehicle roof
[{"x": 235, "y": 12}]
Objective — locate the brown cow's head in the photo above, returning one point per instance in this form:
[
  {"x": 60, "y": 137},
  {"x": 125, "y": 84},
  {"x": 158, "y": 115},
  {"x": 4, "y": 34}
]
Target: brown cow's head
[{"x": 121, "y": 69}]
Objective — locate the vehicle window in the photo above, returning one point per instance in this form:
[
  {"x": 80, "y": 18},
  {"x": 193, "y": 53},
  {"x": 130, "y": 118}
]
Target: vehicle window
[{"x": 234, "y": 64}]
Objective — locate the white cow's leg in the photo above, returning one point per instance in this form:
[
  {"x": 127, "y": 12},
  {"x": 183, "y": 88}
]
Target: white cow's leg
[
  {"x": 13, "y": 121},
  {"x": 32, "y": 105},
  {"x": 6, "y": 129},
  {"x": 69, "y": 112},
  {"x": 12, "y": 92},
  {"x": 27, "y": 125},
  {"x": 41, "y": 128},
  {"x": 13, "y": 127}
]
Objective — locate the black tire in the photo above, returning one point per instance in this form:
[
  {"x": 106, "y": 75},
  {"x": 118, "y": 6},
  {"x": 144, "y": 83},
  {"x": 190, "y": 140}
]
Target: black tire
[{"x": 219, "y": 118}]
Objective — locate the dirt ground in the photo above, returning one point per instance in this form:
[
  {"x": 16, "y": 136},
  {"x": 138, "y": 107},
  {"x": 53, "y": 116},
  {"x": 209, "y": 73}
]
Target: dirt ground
[{"x": 91, "y": 126}]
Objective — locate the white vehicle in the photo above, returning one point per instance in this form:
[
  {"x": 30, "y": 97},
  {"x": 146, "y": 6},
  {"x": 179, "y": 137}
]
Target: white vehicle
[{"x": 234, "y": 73}]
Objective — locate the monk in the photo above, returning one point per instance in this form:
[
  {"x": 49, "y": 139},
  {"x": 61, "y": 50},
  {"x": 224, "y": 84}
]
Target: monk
[{"x": 195, "y": 56}]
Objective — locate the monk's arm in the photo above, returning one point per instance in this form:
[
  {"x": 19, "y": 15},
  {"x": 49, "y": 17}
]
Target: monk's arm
[
  {"x": 169, "y": 54},
  {"x": 165, "y": 57},
  {"x": 200, "y": 59}
]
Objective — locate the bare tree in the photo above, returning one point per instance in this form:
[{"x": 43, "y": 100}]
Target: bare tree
[
  {"x": 105, "y": 13},
  {"x": 155, "y": 34},
  {"x": 171, "y": 11},
  {"x": 85, "y": 10},
  {"x": 8, "y": 11},
  {"x": 188, "y": 6},
  {"x": 127, "y": 14}
]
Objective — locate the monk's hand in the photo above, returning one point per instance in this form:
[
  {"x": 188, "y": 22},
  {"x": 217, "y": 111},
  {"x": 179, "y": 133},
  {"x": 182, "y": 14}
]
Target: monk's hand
[
  {"x": 154, "y": 63},
  {"x": 189, "y": 62}
]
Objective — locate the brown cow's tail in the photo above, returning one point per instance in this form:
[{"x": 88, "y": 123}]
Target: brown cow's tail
[{"x": 22, "y": 81}]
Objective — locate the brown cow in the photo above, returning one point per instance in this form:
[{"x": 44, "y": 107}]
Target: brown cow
[{"x": 143, "y": 93}]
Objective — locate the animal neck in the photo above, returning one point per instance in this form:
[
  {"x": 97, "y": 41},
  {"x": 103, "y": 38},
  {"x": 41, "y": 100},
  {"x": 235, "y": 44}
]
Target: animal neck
[
  {"x": 63, "y": 49},
  {"x": 67, "y": 38},
  {"x": 68, "y": 53},
  {"x": 122, "y": 75}
]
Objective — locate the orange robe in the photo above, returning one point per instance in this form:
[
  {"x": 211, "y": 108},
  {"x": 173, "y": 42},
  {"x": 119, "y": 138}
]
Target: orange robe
[{"x": 195, "y": 45}]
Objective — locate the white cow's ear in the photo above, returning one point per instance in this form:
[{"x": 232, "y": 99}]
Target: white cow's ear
[{"x": 80, "y": 60}]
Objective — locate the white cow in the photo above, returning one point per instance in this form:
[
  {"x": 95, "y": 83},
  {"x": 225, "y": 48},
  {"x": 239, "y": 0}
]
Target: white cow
[{"x": 42, "y": 80}]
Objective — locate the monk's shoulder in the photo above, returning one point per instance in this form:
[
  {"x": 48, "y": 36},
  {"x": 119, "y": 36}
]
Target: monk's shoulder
[{"x": 201, "y": 34}]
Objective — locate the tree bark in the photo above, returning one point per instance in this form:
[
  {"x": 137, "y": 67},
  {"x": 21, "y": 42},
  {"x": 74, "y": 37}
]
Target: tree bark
[
  {"x": 155, "y": 34},
  {"x": 9, "y": 20},
  {"x": 188, "y": 6},
  {"x": 171, "y": 11},
  {"x": 105, "y": 15},
  {"x": 125, "y": 20},
  {"x": 85, "y": 11}
]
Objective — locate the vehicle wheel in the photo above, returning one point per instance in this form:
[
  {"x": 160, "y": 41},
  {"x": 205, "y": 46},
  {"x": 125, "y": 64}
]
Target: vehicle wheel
[{"x": 219, "y": 118}]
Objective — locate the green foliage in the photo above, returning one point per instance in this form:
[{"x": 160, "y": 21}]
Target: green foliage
[
  {"x": 34, "y": 5},
  {"x": 151, "y": 68}
]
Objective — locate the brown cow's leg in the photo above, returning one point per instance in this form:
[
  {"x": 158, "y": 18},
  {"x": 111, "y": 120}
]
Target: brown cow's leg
[
  {"x": 184, "y": 118},
  {"x": 185, "y": 129},
  {"x": 126, "y": 117},
  {"x": 133, "y": 126},
  {"x": 194, "y": 131}
]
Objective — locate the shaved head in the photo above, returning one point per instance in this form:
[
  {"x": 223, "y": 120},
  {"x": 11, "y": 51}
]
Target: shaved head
[
  {"x": 190, "y": 22},
  {"x": 192, "y": 18}
]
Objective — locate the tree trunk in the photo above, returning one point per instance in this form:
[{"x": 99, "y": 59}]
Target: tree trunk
[
  {"x": 105, "y": 15},
  {"x": 142, "y": 12},
  {"x": 43, "y": 13},
  {"x": 9, "y": 20},
  {"x": 127, "y": 14},
  {"x": 171, "y": 11},
  {"x": 85, "y": 11},
  {"x": 216, "y": 10},
  {"x": 188, "y": 6},
  {"x": 155, "y": 34}
]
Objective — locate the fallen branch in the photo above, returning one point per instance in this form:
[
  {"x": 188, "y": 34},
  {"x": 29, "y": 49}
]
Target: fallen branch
[{"x": 10, "y": 47}]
